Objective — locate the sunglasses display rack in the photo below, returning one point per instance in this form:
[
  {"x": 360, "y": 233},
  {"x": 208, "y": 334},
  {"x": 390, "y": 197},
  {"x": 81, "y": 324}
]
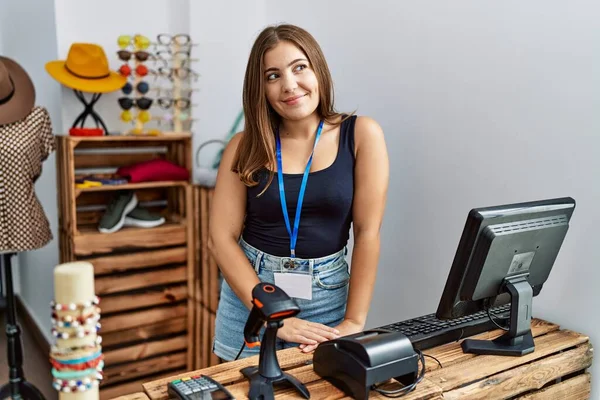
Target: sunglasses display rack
[
  {"x": 173, "y": 74},
  {"x": 133, "y": 51},
  {"x": 174, "y": 65}
]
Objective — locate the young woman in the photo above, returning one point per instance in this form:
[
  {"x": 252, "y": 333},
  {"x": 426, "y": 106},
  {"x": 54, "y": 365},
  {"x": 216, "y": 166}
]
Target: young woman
[{"x": 297, "y": 155}]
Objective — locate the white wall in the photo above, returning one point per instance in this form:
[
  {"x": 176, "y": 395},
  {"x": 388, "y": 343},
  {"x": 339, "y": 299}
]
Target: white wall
[
  {"x": 30, "y": 48},
  {"x": 482, "y": 104},
  {"x": 225, "y": 31}
]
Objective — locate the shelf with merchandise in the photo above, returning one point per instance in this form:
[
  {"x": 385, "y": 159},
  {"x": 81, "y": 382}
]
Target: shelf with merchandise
[
  {"x": 143, "y": 273},
  {"x": 164, "y": 136},
  {"x": 130, "y": 186},
  {"x": 109, "y": 212}
]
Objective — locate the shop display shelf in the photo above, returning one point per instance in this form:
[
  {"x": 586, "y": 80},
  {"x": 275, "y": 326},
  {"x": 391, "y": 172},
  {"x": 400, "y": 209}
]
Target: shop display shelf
[
  {"x": 132, "y": 186},
  {"x": 145, "y": 277}
]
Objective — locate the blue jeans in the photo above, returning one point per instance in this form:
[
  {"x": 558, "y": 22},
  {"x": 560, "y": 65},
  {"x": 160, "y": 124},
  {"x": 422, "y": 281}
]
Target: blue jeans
[{"x": 330, "y": 277}]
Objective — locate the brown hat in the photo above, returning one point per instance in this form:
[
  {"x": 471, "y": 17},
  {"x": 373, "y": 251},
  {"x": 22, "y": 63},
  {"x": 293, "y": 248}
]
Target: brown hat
[{"x": 17, "y": 93}]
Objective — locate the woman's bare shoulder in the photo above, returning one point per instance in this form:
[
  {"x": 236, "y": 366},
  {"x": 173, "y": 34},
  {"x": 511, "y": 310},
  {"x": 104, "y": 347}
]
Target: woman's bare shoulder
[{"x": 367, "y": 131}]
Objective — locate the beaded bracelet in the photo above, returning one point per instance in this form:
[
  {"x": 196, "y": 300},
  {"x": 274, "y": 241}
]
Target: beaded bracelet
[
  {"x": 69, "y": 321},
  {"x": 81, "y": 333},
  {"x": 74, "y": 306},
  {"x": 55, "y": 350},
  {"x": 76, "y": 367},
  {"x": 95, "y": 314},
  {"x": 85, "y": 358},
  {"x": 70, "y": 375},
  {"x": 76, "y": 386}
]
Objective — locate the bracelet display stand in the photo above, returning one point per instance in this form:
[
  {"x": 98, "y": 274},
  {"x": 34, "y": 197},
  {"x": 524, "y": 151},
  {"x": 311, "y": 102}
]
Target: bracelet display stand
[
  {"x": 17, "y": 387},
  {"x": 76, "y": 359}
]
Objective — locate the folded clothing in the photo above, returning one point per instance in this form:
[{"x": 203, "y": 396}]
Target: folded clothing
[{"x": 154, "y": 170}]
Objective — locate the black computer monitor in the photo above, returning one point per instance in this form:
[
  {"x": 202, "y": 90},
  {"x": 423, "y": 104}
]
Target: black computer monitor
[{"x": 505, "y": 255}]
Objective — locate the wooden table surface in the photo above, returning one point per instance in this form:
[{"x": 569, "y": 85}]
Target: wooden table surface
[
  {"x": 559, "y": 353},
  {"x": 133, "y": 396}
]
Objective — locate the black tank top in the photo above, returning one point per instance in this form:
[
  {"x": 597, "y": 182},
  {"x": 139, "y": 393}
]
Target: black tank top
[{"x": 326, "y": 211}]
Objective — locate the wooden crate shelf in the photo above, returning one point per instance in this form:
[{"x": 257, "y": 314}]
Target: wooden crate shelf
[
  {"x": 147, "y": 298},
  {"x": 143, "y": 333},
  {"x": 130, "y": 186},
  {"x": 143, "y": 276},
  {"x": 91, "y": 242},
  {"x": 206, "y": 282},
  {"x": 130, "y": 138}
]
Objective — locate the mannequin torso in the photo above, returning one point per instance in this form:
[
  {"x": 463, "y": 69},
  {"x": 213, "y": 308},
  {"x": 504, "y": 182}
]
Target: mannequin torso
[{"x": 24, "y": 145}]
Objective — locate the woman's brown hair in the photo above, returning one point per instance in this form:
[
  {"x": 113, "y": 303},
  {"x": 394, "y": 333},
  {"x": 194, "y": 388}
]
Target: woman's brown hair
[{"x": 257, "y": 146}]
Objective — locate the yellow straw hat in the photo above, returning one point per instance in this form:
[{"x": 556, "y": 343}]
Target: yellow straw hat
[{"x": 86, "y": 69}]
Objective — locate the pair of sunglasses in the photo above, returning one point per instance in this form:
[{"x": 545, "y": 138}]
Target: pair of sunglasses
[
  {"x": 142, "y": 116},
  {"x": 180, "y": 103},
  {"x": 126, "y": 55},
  {"x": 140, "y": 42},
  {"x": 141, "y": 87},
  {"x": 166, "y": 91},
  {"x": 181, "y": 72},
  {"x": 143, "y": 103},
  {"x": 162, "y": 53},
  {"x": 166, "y": 39},
  {"x": 140, "y": 70}
]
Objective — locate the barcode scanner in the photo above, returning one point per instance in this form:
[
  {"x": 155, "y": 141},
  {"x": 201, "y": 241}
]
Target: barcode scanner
[{"x": 270, "y": 305}]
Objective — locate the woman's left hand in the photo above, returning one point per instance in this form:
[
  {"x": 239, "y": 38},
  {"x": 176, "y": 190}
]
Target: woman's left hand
[{"x": 346, "y": 327}]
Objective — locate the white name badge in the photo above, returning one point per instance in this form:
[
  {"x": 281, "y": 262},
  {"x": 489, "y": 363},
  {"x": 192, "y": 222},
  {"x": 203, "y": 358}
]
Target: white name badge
[{"x": 295, "y": 285}]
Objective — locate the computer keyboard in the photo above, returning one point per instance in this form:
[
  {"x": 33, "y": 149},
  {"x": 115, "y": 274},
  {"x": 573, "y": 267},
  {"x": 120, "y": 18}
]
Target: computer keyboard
[{"x": 427, "y": 331}]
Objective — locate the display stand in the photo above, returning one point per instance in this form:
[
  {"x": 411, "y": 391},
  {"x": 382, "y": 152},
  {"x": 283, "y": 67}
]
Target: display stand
[
  {"x": 89, "y": 111},
  {"x": 178, "y": 63},
  {"x": 2, "y": 293},
  {"x": 77, "y": 359},
  {"x": 177, "y": 125},
  {"x": 17, "y": 387},
  {"x": 137, "y": 71},
  {"x": 518, "y": 341},
  {"x": 138, "y": 122}
]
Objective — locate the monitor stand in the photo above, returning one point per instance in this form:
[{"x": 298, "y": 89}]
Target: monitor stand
[{"x": 518, "y": 341}]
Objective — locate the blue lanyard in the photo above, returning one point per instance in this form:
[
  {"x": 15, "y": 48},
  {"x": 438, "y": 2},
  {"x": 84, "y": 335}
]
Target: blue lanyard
[{"x": 294, "y": 234}]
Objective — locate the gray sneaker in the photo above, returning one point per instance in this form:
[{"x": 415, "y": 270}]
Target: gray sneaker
[
  {"x": 114, "y": 217},
  {"x": 142, "y": 218}
]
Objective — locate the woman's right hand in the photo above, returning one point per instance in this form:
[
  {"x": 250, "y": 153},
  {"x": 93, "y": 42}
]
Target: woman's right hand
[{"x": 296, "y": 330}]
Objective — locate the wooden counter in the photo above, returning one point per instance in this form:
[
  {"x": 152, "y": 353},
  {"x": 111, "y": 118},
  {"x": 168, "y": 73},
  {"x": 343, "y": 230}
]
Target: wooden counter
[
  {"x": 133, "y": 396},
  {"x": 555, "y": 370}
]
